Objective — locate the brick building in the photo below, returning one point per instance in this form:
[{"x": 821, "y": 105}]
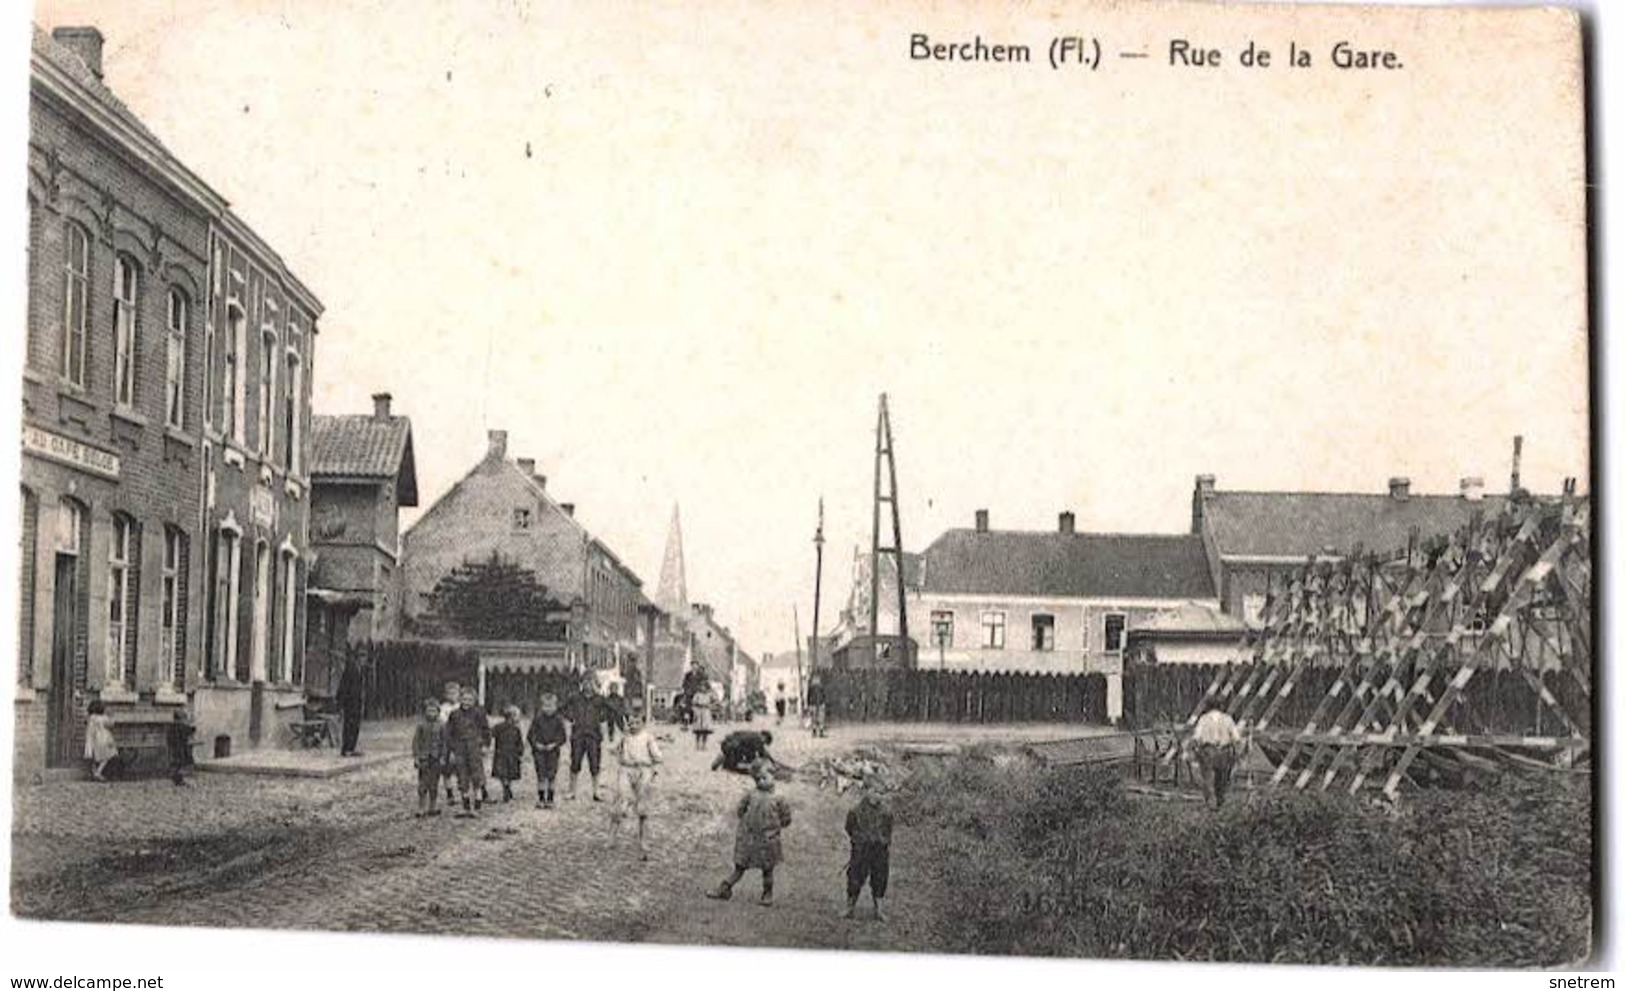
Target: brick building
[
  {"x": 362, "y": 473},
  {"x": 128, "y": 366},
  {"x": 1252, "y": 538},
  {"x": 503, "y": 508}
]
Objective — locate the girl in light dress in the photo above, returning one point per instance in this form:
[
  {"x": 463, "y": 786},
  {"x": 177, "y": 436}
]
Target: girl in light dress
[
  {"x": 100, "y": 748},
  {"x": 639, "y": 759}
]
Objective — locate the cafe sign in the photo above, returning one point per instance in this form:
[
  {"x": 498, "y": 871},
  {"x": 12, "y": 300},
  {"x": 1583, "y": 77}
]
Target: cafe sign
[
  {"x": 55, "y": 447},
  {"x": 264, "y": 506}
]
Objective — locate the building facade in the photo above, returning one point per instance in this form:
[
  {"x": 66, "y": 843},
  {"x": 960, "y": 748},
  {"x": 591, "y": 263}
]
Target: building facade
[
  {"x": 362, "y": 474},
  {"x": 502, "y": 510},
  {"x": 122, "y": 377}
]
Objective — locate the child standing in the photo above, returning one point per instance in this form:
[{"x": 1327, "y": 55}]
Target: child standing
[
  {"x": 448, "y": 705},
  {"x": 868, "y": 826},
  {"x": 762, "y": 817},
  {"x": 100, "y": 747},
  {"x": 639, "y": 760},
  {"x": 429, "y": 757},
  {"x": 178, "y": 741},
  {"x": 467, "y": 734},
  {"x": 546, "y": 736},
  {"x": 508, "y": 752}
]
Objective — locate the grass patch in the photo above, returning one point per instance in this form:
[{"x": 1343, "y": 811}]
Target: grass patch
[{"x": 1063, "y": 863}]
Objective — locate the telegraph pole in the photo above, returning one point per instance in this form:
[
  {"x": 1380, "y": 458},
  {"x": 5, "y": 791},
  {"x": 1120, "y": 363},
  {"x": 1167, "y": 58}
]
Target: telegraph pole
[{"x": 818, "y": 585}]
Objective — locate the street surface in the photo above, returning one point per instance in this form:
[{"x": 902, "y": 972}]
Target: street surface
[{"x": 345, "y": 853}]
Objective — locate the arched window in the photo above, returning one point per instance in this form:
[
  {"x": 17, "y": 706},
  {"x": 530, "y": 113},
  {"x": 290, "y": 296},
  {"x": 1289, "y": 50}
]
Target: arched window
[
  {"x": 221, "y": 657},
  {"x": 172, "y": 636},
  {"x": 124, "y": 330},
  {"x": 122, "y": 599},
  {"x": 267, "y": 391},
  {"x": 75, "y": 302},
  {"x": 27, "y": 549},
  {"x": 292, "y": 389},
  {"x": 237, "y": 342},
  {"x": 286, "y": 662},
  {"x": 175, "y": 361}
]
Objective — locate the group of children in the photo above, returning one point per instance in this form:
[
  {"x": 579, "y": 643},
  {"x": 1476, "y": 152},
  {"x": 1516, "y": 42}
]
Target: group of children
[
  {"x": 450, "y": 740},
  {"x": 763, "y": 817}
]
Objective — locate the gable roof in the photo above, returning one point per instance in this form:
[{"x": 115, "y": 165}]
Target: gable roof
[
  {"x": 1067, "y": 565},
  {"x": 365, "y": 446},
  {"x": 1301, "y": 524},
  {"x": 68, "y": 61}
]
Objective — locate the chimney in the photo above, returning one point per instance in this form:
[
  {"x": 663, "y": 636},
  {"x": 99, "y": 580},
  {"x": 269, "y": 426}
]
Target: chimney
[
  {"x": 1205, "y": 485},
  {"x": 1399, "y": 487},
  {"x": 528, "y": 466},
  {"x": 1069, "y": 523},
  {"x": 1472, "y": 488},
  {"x": 85, "y": 42},
  {"x": 380, "y": 405},
  {"x": 499, "y": 445},
  {"x": 541, "y": 480},
  {"x": 981, "y": 521},
  {"x": 569, "y": 508},
  {"x": 1517, "y": 463}
]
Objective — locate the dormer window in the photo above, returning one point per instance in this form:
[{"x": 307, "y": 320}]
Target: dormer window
[{"x": 521, "y": 519}]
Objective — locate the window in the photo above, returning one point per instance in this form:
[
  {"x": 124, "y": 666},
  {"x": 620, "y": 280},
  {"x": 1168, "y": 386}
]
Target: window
[
  {"x": 942, "y": 628},
  {"x": 124, "y": 330},
  {"x": 993, "y": 631},
  {"x": 267, "y": 393},
  {"x": 1043, "y": 631},
  {"x": 521, "y": 519},
  {"x": 75, "y": 297},
  {"x": 172, "y": 634},
  {"x": 292, "y": 388},
  {"x": 121, "y": 602},
  {"x": 1116, "y": 622},
  {"x": 222, "y": 656},
  {"x": 290, "y": 614},
  {"x": 237, "y": 342},
  {"x": 259, "y": 659},
  {"x": 208, "y": 372},
  {"x": 175, "y": 362},
  {"x": 70, "y": 523},
  {"x": 27, "y": 548}
]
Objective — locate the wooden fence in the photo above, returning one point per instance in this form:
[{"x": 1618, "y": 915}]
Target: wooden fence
[
  {"x": 401, "y": 674},
  {"x": 526, "y": 688},
  {"x": 870, "y": 695},
  {"x": 1503, "y": 701}
]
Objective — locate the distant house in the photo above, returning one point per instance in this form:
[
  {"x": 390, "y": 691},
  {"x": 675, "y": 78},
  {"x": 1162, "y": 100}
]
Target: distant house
[
  {"x": 1047, "y": 602},
  {"x": 501, "y": 512},
  {"x": 362, "y": 474},
  {"x": 1254, "y": 538}
]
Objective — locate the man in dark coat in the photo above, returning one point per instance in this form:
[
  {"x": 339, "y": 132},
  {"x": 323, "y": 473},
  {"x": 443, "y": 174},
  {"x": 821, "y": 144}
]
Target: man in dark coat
[
  {"x": 351, "y": 697},
  {"x": 742, "y": 750}
]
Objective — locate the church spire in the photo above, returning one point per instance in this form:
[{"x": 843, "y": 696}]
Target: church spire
[{"x": 672, "y": 596}]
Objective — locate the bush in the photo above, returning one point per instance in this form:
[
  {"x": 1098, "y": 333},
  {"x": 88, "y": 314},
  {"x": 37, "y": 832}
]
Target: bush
[{"x": 1064, "y": 863}]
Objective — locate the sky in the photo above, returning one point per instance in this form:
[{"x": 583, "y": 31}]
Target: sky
[{"x": 677, "y": 252}]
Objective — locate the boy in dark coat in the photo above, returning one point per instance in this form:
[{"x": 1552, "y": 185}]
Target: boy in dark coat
[
  {"x": 762, "y": 817},
  {"x": 467, "y": 734},
  {"x": 178, "y": 740},
  {"x": 868, "y": 826},
  {"x": 429, "y": 758},
  {"x": 546, "y": 736},
  {"x": 508, "y": 751},
  {"x": 587, "y": 715}
]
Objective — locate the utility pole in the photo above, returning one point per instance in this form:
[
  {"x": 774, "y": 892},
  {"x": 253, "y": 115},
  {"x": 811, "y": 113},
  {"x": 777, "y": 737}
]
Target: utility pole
[
  {"x": 886, "y": 492},
  {"x": 818, "y": 585}
]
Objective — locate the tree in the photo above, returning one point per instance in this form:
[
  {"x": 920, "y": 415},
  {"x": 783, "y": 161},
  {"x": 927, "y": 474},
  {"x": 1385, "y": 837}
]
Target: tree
[{"x": 493, "y": 600}]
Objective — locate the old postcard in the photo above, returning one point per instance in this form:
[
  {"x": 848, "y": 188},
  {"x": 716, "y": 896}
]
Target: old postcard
[{"x": 1089, "y": 480}]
